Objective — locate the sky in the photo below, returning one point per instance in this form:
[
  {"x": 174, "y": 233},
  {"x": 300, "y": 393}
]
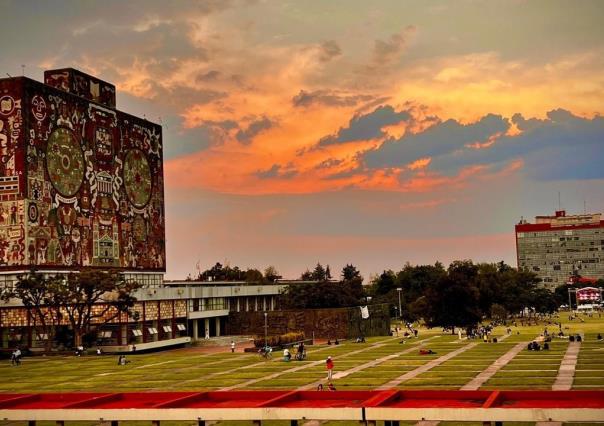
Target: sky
[{"x": 348, "y": 131}]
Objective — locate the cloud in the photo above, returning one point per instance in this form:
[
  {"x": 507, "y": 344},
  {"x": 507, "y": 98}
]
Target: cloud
[
  {"x": 386, "y": 52},
  {"x": 253, "y": 129},
  {"x": 276, "y": 171},
  {"x": 328, "y": 98},
  {"x": 443, "y": 138},
  {"x": 367, "y": 126},
  {"x": 562, "y": 146},
  {"x": 329, "y": 50}
]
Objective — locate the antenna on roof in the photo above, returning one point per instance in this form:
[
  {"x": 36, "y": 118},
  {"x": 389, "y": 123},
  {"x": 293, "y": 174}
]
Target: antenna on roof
[
  {"x": 559, "y": 202},
  {"x": 584, "y": 207},
  {"x": 10, "y": 76}
]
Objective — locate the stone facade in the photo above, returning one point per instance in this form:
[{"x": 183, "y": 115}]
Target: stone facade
[{"x": 343, "y": 323}]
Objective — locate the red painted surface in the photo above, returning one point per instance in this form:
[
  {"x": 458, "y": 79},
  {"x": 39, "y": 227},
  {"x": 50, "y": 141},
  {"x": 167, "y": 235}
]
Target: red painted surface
[
  {"x": 536, "y": 227},
  {"x": 307, "y": 399}
]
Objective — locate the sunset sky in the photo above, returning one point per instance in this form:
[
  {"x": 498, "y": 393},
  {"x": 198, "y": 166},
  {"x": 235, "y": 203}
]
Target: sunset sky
[{"x": 363, "y": 132}]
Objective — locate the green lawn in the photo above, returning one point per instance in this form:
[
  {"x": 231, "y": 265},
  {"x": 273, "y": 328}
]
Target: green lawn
[{"x": 383, "y": 359}]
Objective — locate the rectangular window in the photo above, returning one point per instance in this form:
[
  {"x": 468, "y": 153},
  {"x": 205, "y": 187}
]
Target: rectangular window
[
  {"x": 181, "y": 327},
  {"x": 167, "y": 328},
  {"x": 137, "y": 333},
  {"x": 152, "y": 330}
]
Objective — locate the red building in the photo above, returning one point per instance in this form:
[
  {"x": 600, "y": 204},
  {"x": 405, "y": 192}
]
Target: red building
[{"x": 560, "y": 246}]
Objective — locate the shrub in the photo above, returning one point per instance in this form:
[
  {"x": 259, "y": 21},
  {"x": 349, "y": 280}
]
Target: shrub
[{"x": 279, "y": 340}]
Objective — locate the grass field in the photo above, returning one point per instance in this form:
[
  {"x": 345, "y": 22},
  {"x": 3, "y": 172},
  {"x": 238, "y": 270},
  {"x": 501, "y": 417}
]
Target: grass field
[{"x": 381, "y": 362}]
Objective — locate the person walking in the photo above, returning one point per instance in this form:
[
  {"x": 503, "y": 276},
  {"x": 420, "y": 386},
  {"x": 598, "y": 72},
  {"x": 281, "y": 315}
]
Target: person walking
[
  {"x": 232, "y": 346},
  {"x": 329, "y": 366}
]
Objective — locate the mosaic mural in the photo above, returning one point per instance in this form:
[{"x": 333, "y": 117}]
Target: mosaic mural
[{"x": 81, "y": 184}]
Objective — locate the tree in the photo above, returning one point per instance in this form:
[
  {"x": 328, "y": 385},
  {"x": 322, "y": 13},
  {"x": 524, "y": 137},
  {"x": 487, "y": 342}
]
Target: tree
[
  {"x": 254, "y": 276},
  {"x": 315, "y": 295},
  {"x": 306, "y": 276},
  {"x": 352, "y": 281},
  {"x": 39, "y": 298},
  {"x": 454, "y": 300},
  {"x": 271, "y": 274},
  {"x": 319, "y": 273},
  {"x": 350, "y": 272},
  {"x": 92, "y": 298}
]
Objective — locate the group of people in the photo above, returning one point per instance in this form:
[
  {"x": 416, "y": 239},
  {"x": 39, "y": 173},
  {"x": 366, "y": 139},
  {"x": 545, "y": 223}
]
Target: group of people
[
  {"x": 300, "y": 354},
  {"x": 534, "y": 346},
  {"x": 330, "y": 387}
]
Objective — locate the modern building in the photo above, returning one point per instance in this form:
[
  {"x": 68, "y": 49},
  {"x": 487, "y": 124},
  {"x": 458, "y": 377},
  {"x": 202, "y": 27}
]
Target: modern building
[
  {"x": 560, "y": 246},
  {"x": 82, "y": 186}
]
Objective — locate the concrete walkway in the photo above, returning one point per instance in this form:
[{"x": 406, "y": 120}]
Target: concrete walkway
[
  {"x": 307, "y": 365},
  {"x": 485, "y": 375},
  {"x": 423, "y": 368},
  {"x": 301, "y": 367},
  {"x": 367, "y": 364},
  {"x": 566, "y": 373}
]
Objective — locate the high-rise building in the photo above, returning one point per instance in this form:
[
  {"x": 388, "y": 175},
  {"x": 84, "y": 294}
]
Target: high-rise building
[
  {"x": 81, "y": 183},
  {"x": 557, "y": 247}
]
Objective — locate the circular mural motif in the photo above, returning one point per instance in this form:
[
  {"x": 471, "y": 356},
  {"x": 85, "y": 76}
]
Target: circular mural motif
[
  {"x": 137, "y": 178},
  {"x": 65, "y": 162}
]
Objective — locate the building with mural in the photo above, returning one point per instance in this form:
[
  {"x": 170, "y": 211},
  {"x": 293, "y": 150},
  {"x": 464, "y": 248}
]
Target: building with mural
[
  {"x": 560, "y": 247},
  {"x": 81, "y": 183}
]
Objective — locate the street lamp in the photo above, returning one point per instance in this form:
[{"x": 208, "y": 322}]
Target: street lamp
[
  {"x": 396, "y": 312},
  {"x": 265, "y": 329},
  {"x": 400, "y": 310}
]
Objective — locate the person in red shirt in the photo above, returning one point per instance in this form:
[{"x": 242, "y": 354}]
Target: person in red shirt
[{"x": 329, "y": 366}]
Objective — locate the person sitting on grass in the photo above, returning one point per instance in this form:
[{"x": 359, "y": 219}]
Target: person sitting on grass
[
  {"x": 320, "y": 387},
  {"x": 599, "y": 337},
  {"x": 287, "y": 356},
  {"x": 331, "y": 387},
  {"x": 122, "y": 360}
]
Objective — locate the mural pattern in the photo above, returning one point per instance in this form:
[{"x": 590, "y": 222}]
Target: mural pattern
[
  {"x": 342, "y": 323},
  {"x": 81, "y": 184}
]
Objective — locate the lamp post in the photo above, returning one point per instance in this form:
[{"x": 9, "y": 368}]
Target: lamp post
[
  {"x": 265, "y": 329},
  {"x": 396, "y": 312},
  {"x": 400, "y": 310}
]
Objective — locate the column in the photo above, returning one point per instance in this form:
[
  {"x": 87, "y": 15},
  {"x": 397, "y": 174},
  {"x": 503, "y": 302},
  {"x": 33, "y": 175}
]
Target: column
[
  {"x": 217, "y": 321},
  {"x": 124, "y": 335},
  {"x": 195, "y": 330}
]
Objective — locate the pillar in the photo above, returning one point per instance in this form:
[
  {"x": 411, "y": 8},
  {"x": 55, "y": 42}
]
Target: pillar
[
  {"x": 206, "y": 329},
  {"x": 195, "y": 330},
  {"x": 217, "y": 321},
  {"x": 238, "y": 304}
]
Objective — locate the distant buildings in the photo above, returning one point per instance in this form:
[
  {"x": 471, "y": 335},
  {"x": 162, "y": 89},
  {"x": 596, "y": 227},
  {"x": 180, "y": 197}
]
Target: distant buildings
[{"x": 557, "y": 247}]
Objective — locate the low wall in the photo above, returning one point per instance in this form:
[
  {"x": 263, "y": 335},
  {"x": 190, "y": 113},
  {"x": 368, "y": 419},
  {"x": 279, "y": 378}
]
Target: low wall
[{"x": 340, "y": 323}]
